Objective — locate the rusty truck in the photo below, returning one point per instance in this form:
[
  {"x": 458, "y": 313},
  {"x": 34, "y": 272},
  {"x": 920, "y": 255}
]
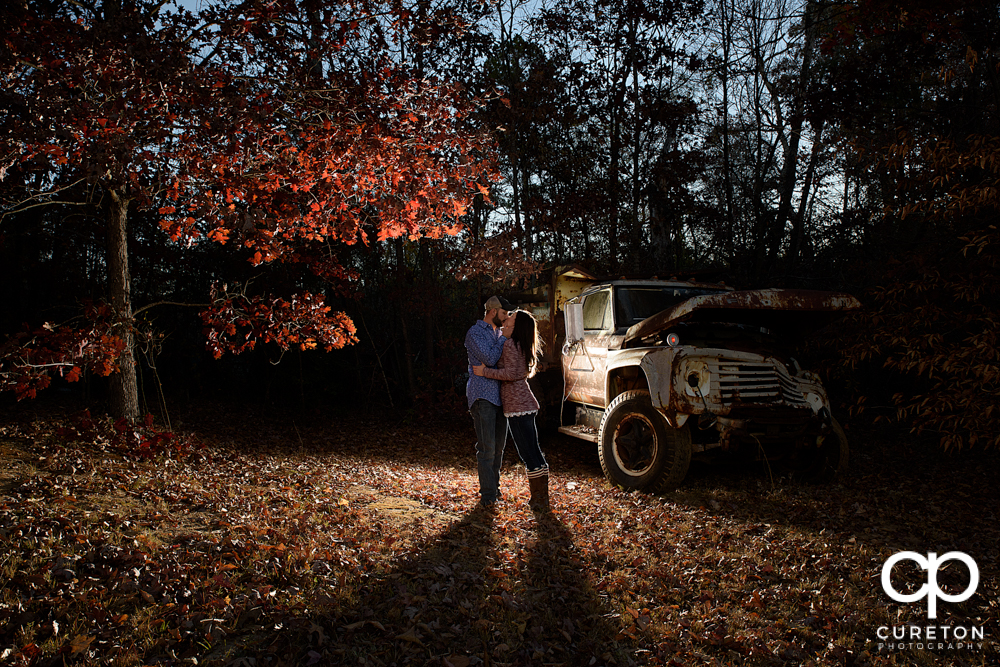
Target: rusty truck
[{"x": 657, "y": 372}]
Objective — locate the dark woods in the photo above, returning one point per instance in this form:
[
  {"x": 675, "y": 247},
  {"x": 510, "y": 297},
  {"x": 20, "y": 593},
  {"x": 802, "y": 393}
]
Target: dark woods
[{"x": 339, "y": 186}]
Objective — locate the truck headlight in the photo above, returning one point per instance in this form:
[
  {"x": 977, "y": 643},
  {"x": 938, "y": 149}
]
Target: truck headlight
[{"x": 696, "y": 379}]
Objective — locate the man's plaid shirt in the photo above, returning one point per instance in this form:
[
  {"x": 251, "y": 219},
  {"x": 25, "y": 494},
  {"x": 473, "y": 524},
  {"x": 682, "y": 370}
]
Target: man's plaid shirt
[{"x": 485, "y": 345}]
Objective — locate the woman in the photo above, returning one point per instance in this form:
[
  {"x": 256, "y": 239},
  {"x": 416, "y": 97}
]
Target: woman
[{"x": 517, "y": 363}]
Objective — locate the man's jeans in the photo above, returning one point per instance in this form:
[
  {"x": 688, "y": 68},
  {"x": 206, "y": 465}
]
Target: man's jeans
[{"x": 491, "y": 437}]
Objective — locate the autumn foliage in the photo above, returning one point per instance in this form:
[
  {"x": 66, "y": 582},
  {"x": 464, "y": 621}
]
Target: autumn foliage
[
  {"x": 929, "y": 338},
  {"x": 33, "y": 356},
  {"x": 243, "y": 546},
  {"x": 936, "y": 320},
  {"x": 234, "y": 128},
  {"x": 237, "y": 322}
]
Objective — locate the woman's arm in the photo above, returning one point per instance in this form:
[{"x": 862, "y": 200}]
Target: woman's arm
[{"x": 512, "y": 362}]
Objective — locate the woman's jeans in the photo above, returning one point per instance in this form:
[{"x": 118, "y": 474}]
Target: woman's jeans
[
  {"x": 491, "y": 438},
  {"x": 525, "y": 434}
]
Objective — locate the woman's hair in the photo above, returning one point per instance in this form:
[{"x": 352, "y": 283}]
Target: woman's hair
[{"x": 525, "y": 336}]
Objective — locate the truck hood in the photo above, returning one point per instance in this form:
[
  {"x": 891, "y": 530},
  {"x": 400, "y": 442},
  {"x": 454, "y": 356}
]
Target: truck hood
[{"x": 788, "y": 311}]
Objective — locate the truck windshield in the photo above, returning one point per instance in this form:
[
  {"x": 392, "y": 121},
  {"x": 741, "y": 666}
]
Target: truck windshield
[{"x": 634, "y": 304}]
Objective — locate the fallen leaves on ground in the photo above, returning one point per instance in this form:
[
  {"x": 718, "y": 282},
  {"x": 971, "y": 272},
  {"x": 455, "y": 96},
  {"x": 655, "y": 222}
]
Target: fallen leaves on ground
[{"x": 265, "y": 541}]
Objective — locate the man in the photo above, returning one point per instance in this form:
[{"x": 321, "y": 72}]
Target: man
[{"x": 485, "y": 344}]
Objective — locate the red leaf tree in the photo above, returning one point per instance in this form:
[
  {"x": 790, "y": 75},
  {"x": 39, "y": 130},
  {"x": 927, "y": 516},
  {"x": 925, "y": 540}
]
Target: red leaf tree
[{"x": 276, "y": 127}]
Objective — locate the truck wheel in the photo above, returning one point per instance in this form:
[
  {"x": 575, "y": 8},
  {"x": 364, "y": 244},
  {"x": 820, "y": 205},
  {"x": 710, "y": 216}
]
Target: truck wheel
[
  {"x": 638, "y": 449},
  {"x": 826, "y": 461}
]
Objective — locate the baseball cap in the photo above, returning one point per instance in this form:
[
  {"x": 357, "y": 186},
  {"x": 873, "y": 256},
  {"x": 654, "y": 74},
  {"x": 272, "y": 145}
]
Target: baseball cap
[{"x": 497, "y": 302}]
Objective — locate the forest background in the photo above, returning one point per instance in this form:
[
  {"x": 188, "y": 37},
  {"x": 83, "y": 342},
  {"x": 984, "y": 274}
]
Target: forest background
[{"x": 339, "y": 186}]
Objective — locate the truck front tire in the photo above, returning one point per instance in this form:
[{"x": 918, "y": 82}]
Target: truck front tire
[{"x": 638, "y": 449}]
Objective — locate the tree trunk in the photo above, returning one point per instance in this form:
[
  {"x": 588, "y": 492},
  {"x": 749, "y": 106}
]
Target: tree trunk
[
  {"x": 124, "y": 390},
  {"x": 789, "y": 170},
  {"x": 404, "y": 279},
  {"x": 798, "y": 226},
  {"x": 613, "y": 176},
  {"x": 411, "y": 377},
  {"x": 428, "y": 270},
  {"x": 429, "y": 341},
  {"x": 515, "y": 184},
  {"x": 729, "y": 242}
]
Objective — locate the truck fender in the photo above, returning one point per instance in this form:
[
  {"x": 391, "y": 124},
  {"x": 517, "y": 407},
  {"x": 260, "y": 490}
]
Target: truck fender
[{"x": 657, "y": 365}]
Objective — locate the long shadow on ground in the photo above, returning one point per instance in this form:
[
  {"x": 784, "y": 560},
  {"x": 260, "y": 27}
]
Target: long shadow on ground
[
  {"x": 474, "y": 594},
  {"x": 471, "y": 595}
]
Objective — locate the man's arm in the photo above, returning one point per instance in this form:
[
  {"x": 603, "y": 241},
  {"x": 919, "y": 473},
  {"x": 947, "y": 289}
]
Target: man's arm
[{"x": 481, "y": 348}]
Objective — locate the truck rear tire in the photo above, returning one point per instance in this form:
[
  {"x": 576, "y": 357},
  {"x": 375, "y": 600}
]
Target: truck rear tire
[{"x": 639, "y": 451}]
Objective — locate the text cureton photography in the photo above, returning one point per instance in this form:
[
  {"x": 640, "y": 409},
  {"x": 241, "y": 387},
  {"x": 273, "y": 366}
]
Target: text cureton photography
[{"x": 931, "y": 637}]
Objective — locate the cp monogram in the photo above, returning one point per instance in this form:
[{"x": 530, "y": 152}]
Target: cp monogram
[{"x": 930, "y": 590}]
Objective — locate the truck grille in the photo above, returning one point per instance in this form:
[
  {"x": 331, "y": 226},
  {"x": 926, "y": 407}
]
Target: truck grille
[{"x": 757, "y": 382}]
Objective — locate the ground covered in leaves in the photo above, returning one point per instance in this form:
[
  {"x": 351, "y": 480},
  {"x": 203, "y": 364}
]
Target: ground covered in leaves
[{"x": 354, "y": 539}]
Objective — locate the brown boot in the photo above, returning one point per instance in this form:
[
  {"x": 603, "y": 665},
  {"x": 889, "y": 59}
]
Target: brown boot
[{"x": 539, "y": 493}]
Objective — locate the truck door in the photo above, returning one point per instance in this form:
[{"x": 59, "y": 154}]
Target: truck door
[{"x": 585, "y": 368}]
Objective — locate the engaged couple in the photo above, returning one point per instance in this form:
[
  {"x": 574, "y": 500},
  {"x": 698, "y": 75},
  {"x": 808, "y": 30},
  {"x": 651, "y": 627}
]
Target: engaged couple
[{"x": 503, "y": 349}]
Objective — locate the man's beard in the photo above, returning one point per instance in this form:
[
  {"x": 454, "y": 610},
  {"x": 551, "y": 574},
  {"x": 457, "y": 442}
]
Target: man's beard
[{"x": 497, "y": 322}]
